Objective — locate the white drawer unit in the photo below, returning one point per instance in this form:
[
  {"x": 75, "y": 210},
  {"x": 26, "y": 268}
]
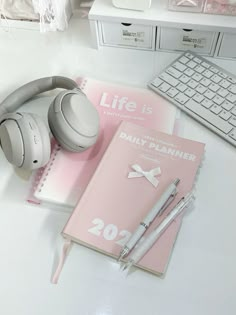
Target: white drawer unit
[
  {"x": 127, "y": 35},
  {"x": 177, "y": 39},
  {"x": 175, "y": 31},
  {"x": 226, "y": 46}
]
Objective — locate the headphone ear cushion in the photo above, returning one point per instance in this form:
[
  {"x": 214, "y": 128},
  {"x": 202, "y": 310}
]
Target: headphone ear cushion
[
  {"x": 25, "y": 140},
  {"x": 12, "y": 142},
  {"x": 74, "y": 121}
]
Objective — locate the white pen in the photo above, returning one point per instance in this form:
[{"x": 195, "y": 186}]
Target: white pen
[
  {"x": 141, "y": 250},
  {"x": 157, "y": 209}
]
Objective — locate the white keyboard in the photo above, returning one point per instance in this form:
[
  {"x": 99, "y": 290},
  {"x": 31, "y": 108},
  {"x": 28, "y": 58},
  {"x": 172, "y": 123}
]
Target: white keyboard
[{"x": 203, "y": 90}]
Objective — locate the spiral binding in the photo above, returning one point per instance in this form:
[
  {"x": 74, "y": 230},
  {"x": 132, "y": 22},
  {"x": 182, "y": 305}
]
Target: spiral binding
[
  {"x": 40, "y": 176},
  {"x": 35, "y": 179}
]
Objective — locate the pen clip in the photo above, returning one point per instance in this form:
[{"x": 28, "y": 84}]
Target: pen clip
[{"x": 168, "y": 202}]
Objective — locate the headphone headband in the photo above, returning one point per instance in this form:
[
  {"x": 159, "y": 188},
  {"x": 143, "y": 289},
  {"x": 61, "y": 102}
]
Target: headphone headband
[{"x": 27, "y": 91}]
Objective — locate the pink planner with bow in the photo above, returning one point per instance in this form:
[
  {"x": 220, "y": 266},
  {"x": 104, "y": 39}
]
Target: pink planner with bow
[
  {"x": 67, "y": 174},
  {"x": 136, "y": 168}
]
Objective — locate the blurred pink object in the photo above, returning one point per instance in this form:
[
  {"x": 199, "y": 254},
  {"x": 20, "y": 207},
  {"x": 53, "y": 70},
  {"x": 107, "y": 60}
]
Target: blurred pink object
[{"x": 223, "y": 7}]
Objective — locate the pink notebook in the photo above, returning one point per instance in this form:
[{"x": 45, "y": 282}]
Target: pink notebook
[
  {"x": 65, "y": 177},
  {"x": 113, "y": 204}
]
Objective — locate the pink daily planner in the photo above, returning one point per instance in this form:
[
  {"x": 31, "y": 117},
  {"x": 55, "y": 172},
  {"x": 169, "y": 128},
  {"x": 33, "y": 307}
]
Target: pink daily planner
[
  {"x": 114, "y": 202},
  {"x": 67, "y": 174}
]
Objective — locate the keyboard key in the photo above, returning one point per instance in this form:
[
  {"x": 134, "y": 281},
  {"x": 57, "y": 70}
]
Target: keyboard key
[
  {"x": 214, "y": 87},
  {"x": 199, "y": 69},
  {"x": 218, "y": 100},
  {"x": 181, "y": 87},
  {"x": 233, "y": 111},
  {"x": 156, "y": 82},
  {"x": 191, "y": 64},
  {"x": 232, "y": 121},
  {"x": 232, "y": 134},
  {"x": 189, "y": 55},
  {"x": 209, "y": 94},
  {"x": 198, "y": 97},
  {"x": 205, "y": 82},
  {"x": 197, "y": 60},
  {"x": 231, "y": 97},
  {"x": 181, "y": 98},
  {"x": 213, "y": 69},
  {"x": 232, "y": 89},
  {"x": 207, "y": 103},
  {"x": 231, "y": 80},
  {"x": 179, "y": 66},
  {"x": 225, "y": 115},
  {"x": 189, "y": 92},
  {"x": 184, "y": 78},
  {"x": 206, "y": 65},
  {"x": 216, "y": 109},
  {"x": 192, "y": 84},
  {"x": 184, "y": 60},
  {"x": 197, "y": 76},
  {"x": 222, "y": 92},
  {"x": 227, "y": 105},
  {"x": 213, "y": 119},
  {"x": 215, "y": 78},
  {"x": 164, "y": 87},
  {"x": 172, "y": 92},
  {"x": 201, "y": 89},
  {"x": 169, "y": 79},
  {"x": 224, "y": 83},
  {"x": 207, "y": 74},
  {"x": 189, "y": 72},
  {"x": 174, "y": 72},
  {"x": 222, "y": 74}
]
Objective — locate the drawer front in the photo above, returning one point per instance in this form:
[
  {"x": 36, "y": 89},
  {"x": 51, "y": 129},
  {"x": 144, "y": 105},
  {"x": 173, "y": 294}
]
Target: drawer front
[
  {"x": 202, "y": 42},
  {"x": 226, "y": 47},
  {"x": 127, "y": 35}
]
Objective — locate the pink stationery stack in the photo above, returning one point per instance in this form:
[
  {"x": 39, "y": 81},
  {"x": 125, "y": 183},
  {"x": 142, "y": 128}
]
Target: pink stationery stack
[
  {"x": 67, "y": 174},
  {"x": 114, "y": 203}
]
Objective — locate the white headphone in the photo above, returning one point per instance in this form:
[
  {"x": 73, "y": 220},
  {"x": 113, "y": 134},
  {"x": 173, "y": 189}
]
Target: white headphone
[{"x": 72, "y": 118}]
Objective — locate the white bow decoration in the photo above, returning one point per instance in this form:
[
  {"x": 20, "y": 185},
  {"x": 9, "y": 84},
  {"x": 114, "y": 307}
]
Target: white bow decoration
[{"x": 149, "y": 175}]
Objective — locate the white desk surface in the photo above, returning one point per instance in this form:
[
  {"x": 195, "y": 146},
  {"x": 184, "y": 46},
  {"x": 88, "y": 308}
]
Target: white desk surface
[{"x": 201, "y": 277}]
